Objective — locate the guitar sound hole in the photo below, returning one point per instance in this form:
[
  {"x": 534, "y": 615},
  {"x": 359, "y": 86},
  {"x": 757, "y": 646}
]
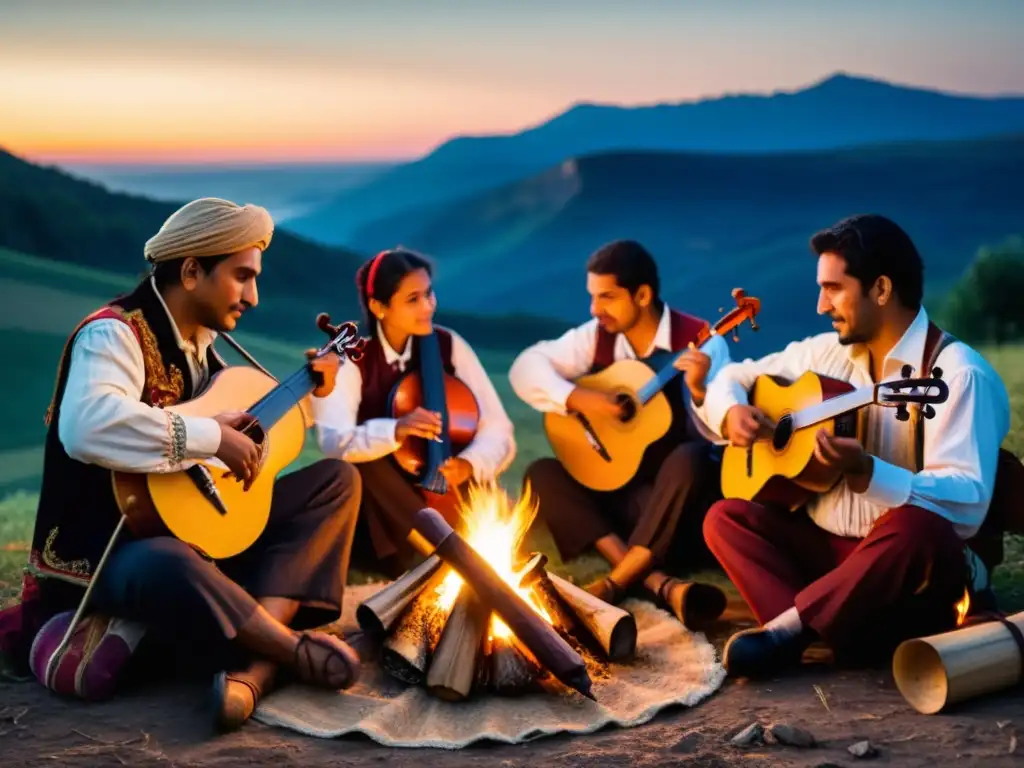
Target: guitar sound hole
[
  {"x": 628, "y": 406},
  {"x": 783, "y": 432},
  {"x": 256, "y": 433}
]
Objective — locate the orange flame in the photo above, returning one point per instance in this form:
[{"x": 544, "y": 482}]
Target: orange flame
[
  {"x": 962, "y": 607},
  {"x": 495, "y": 528}
]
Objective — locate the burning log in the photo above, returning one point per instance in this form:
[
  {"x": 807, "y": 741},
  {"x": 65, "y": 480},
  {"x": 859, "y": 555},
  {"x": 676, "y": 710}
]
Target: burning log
[
  {"x": 547, "y": 646},
  {"x": 454, "y": 663},
  {"x": 612, "y": 627},
  {"x": 513, "y": 672},
  {"x": 410, "y": 643},
  {"x": 936, "y": 671},
  {"x": 378, "y": 613},
  {"x": 482, "y": 680}
]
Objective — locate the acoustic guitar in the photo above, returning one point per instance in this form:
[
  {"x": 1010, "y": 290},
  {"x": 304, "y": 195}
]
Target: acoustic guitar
[
  {"x": 781, "y": 469},
  {"x": 604, "y": 453},
  {"x": 433, "y": 388},
  {"x": 204, "y": 506}
]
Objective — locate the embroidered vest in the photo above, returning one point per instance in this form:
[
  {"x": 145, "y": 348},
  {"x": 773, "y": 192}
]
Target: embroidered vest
[
  {"x": 379, "y": 378},
  {"x": 77, "y": 511},
  {"x": 683, "y": 329}
]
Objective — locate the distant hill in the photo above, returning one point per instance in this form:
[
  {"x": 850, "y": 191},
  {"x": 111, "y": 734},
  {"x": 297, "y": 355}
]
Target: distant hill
[
  {"x": 713, "y": 222},
  {"x": 287, "y": 190},
  {"x": 839, "y": 111},
  {"x": 47, "y": 212}
]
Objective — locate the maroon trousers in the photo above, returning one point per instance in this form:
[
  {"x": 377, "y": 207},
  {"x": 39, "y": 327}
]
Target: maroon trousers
[{"x": 862, "y": 596}]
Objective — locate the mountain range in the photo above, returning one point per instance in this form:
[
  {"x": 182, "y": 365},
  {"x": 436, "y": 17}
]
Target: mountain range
[
  {"x": 713, "y": 221},
  {"x": 47, "y": 212},
  {"x": 838, "y": 111}
]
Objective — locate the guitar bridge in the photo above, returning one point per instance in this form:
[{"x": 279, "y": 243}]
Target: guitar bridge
[{"x": 203, "y": 480}]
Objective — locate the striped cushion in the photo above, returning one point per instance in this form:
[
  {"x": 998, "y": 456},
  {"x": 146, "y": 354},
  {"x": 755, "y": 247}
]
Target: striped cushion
[{"x": 90, "y": 664}]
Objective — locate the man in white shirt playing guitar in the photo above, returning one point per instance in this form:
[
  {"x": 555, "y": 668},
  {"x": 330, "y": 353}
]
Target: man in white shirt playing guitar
[{"x": 881, "y": 556}]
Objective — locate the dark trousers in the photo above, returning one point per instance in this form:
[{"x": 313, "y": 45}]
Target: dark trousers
[
  {"x": 193, "y": 605},
  {"x": 862, "y": 596},
  {"x": 662, "y": 509},
  {"x": 390, "y": 500}
]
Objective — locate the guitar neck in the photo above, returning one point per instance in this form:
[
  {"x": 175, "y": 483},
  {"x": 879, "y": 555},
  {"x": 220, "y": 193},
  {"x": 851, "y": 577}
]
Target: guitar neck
[
  {"x": 833, "y": 407},
  {"x": 282, "y": 398},
  {"x": 664, "y": 377}
]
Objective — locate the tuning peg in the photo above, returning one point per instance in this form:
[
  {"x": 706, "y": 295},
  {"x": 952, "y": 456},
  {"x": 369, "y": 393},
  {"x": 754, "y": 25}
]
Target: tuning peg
[
  {"x": 902, "y": 414},
  {"x": 735, "y": 335},
  {"x": 927, "y": 411},
  {"x": 753, "y": 325},
  {"x": 937, "y": 372}
]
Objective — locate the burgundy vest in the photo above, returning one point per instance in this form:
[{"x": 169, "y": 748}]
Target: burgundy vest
[
  {"x": 379, "y": 378},
  {"x": 683, "y": 329}
]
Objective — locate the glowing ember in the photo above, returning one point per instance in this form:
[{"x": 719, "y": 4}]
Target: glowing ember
[
  {"x": 962, "y": 606},
  {"x": 495, "y": 528}
]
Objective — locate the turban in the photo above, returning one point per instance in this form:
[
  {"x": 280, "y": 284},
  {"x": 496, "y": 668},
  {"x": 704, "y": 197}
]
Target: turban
[{"x": 210, "y": 226}]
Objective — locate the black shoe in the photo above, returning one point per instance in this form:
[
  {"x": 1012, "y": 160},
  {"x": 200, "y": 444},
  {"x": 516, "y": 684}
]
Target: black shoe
[{"x": 759, "y": 652}]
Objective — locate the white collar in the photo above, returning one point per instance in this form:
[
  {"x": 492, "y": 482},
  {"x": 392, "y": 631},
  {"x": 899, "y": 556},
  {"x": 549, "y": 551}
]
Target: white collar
[
  {"x": 909, "y": 350},
  {"x": 662, "y": 337},
  {"x": 389, "y": 354},
  {"x": 204, "y": 336}
]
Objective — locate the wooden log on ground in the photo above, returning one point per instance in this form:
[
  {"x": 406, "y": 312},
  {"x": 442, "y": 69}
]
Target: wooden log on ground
[
  {"x": 407, "y": 649},
  {"x": 562, "y": 617},
  {"x": 378, "y": 613},
  {"x": 549, "y": 648},
  {"x": 612, "y": 627},
  {"x": 936, "y": 671},
  {"x": 512, "y": 671},
  {"x": 453, "y": 663}
]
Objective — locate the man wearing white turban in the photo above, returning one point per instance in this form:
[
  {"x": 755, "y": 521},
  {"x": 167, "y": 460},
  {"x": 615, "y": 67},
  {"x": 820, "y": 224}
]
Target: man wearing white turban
[{"x": 121, "y": 366}]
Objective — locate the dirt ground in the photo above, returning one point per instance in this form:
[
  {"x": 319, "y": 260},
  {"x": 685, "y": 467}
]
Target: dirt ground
[{"x": 170, "y": 726}]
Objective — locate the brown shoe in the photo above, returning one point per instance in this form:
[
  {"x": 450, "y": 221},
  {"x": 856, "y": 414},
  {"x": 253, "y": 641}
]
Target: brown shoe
[
  {"x": 695, "y": 604},
  {"x": 235, "y": 699},
  {"x": 325, "y": 661}
]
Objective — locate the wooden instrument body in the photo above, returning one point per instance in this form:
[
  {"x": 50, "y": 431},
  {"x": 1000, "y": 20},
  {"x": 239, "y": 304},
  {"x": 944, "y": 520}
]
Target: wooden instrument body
[
  {"x": 160, "y": 504},
  {"x": 463, "y": 418},
  {"x": 785, "y": 472},
  {"x": 625, "y": 440}
]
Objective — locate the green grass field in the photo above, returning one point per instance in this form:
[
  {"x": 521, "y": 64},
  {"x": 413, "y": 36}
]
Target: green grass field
[{"x": 40, "y": 302}]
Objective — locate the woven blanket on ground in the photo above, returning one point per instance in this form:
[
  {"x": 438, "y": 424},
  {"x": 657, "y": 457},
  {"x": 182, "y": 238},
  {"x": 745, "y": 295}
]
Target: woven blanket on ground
[{"x": 672, "y": 667}]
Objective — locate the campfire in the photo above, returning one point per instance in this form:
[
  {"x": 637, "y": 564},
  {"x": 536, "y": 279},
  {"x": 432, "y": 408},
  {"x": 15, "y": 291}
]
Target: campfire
[
  {"x": 475, "y": 618},
  {"x": 962, "y": 607}
]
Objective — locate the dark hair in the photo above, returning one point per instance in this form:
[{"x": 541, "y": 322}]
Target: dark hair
[
  {"x": 873, "y": 246},
  {"x": 391, "y": 267},
  {"x": 168, "y": 273},
  {"x": 630, "y": 263}
]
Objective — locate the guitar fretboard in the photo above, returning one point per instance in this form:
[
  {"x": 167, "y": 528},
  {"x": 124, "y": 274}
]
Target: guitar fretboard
[
  {"x": 282, "y": 398},
  {"x": 833, "y": 407}
]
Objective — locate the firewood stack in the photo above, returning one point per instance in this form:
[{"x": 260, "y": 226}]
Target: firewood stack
[{"x": 486, "y": 637}]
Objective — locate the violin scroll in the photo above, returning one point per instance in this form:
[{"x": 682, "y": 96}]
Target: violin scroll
[
  {"x": 345, "y": 339},
  {"x": 746, "y": 309}
]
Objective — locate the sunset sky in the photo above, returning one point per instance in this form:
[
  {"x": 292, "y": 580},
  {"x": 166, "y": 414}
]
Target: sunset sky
[{"x": 264, "y": 81}]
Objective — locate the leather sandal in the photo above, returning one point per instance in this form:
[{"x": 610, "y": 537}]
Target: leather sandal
[
  {"x": 325, "y": 661},
  {"x": 235, "y": 699}
]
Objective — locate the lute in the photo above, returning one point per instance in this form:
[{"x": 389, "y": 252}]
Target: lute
[
  {"x": 203, "y": 505},
  {"x": 781, "y": 468},
  {"x": 604, "y": 453}
]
